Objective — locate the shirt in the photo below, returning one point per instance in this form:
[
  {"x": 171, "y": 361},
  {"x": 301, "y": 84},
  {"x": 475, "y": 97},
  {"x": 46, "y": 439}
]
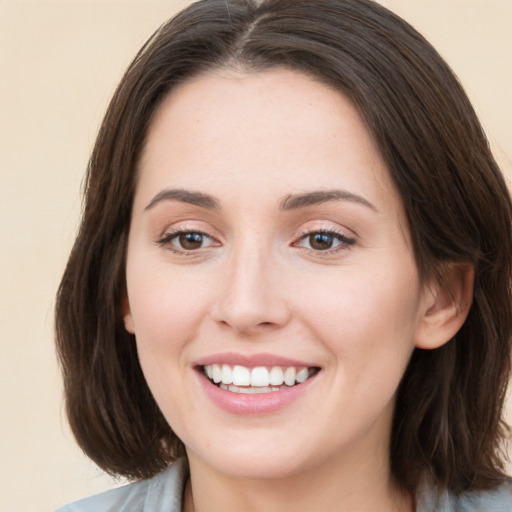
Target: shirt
[{"x": 164, "y": 493}]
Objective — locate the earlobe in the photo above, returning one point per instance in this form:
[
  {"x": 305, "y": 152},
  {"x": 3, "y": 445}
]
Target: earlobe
[
  {"x": 446, "y": 306},
  {"x": 127, "y": 316}
]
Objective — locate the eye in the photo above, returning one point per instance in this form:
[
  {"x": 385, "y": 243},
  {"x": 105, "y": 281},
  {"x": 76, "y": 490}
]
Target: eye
[
  {"x": 327, "y": 240},
  {"x": 186, "y": 241}
]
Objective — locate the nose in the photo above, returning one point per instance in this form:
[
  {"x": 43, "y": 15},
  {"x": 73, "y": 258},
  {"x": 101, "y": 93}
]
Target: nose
[{"x": 251, "y": 297}]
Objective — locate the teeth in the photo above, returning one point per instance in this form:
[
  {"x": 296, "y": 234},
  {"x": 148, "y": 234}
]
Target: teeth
[
  {"x": 216, "y": 373},
  {"x": 241, "y": 376},
  {"x": 289, "y": 376},
  {"x": 260, "y": 379},
  {"x": 302, "y": 375},
  {"x": 248, "y": 390},
  {"x": 226, "y": 374},
  {"x": 276, "y": 376}
]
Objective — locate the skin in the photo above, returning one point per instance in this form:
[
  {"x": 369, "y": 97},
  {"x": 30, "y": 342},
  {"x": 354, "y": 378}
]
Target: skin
[{"x": 256, "y": 284}]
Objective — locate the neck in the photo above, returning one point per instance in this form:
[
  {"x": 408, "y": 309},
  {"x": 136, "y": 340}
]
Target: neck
[{"x": 358, "y": 486}]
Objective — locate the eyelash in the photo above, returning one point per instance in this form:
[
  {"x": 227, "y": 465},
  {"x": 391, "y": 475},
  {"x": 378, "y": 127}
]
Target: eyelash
[
  {"x": 345, "y": 241},
  {"x": 167, "y": 239}
]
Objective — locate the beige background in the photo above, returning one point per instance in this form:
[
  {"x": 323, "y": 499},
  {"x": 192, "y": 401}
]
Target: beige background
[{"x": 59, "y": 63}]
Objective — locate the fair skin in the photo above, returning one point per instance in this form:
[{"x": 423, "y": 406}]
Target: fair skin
[{"x": 236, "y": 256}]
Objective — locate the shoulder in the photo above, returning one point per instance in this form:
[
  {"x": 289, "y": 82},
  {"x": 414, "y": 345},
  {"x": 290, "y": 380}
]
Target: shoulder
[
  {"x": 495, "y": 500},
  {"x": 161, "y": 493}
]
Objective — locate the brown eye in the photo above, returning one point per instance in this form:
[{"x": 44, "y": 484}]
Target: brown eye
[
  {"x": 321, "y": 241},
  {"x": 324, "y": 241},
  {"x": 191, "y": 241},
  {"x": 187, "y": 242}
]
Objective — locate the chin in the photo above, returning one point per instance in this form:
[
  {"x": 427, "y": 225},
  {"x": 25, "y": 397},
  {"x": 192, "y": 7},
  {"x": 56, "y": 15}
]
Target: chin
[{"x": 256, "y": 462}]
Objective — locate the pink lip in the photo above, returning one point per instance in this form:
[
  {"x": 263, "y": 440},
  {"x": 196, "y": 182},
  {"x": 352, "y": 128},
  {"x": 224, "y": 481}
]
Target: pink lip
[
  {"x": 253, "y": 404},
  {"x": 251, "y": 360}
]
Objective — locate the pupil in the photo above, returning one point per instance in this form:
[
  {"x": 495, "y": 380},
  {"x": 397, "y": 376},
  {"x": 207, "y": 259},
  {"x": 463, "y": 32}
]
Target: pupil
[
  {"x": 191, "y": 240},
  {"x": 321, "y": 241}
]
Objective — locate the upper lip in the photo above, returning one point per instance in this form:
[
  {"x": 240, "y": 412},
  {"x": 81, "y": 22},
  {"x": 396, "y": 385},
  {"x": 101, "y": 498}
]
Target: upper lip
[{"x": 252, "y": 360}]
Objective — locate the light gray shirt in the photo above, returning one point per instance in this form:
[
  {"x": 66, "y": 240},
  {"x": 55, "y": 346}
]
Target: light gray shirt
[{"x": 164, "y": 492}]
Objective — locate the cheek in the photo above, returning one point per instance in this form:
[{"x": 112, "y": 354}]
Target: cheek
[
  {"x": 368, "y": 326},
  {"x": 165, "y": 306},
  {"x": 367, "y": 317},
  {"x": 166, "y": 311}
]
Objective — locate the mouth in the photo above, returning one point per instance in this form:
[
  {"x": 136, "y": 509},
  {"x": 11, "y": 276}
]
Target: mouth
[{"x": 256, "y": 380}]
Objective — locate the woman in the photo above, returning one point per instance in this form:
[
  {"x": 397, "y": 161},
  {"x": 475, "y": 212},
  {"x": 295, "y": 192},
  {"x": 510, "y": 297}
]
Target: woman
[{"x": 291, "y": 285}]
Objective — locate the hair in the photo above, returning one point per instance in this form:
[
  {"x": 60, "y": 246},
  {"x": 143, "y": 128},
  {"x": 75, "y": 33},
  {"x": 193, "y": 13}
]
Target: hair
[{"x": 448, "y": 423}]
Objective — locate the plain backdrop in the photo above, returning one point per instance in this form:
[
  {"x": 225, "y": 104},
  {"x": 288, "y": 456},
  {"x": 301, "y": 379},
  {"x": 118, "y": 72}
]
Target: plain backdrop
[{"x": 59, "y": 64}]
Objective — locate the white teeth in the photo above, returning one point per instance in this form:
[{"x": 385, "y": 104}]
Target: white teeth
[
  {"x": 289, "y": 376},
  {"x": 227, "y": 374},
  {"x": 257, "y": 379},
  {"x": 241, "y": 376},
  {"x": 216, "y": 373},
  {"x": 276, "y": 376},
  {"x": 260, "y": 377},
  {"x": 248, "y": 390},
  {"x": 302, "y": 375}
]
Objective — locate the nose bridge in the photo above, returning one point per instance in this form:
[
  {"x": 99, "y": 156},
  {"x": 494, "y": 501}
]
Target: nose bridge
[{"x": 249, "y": 297}]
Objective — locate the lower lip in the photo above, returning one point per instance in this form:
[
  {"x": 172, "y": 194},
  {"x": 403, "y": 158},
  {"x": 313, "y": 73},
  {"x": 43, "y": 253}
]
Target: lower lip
[{"x": 254, "y": 404}]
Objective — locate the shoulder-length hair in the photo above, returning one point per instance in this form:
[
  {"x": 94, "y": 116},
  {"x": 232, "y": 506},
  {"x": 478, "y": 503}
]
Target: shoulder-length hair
[{"x": 448, "y": 420}]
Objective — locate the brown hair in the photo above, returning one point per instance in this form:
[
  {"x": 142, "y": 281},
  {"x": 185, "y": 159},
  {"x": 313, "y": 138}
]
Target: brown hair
[{"x": 448, "y": 419}]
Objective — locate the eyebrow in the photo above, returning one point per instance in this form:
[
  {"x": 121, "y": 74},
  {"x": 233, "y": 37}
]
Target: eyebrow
[
  {"x": 184, "y": 196},
  {"x": 296, "y": 201},
  {"x": 290, "y": 202}
]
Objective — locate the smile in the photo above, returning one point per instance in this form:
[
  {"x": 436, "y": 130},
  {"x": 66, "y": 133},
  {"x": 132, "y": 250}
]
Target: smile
[{"x": 260, "y": 379}]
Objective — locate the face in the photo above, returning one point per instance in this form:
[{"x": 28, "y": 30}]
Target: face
[{"x": 269, "y": 249}]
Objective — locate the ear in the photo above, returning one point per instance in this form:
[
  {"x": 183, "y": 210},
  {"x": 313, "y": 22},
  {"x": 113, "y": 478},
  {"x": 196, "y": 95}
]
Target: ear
[
  {"x": 446, "y": 305},
  {"x": 127, "y": 315}
]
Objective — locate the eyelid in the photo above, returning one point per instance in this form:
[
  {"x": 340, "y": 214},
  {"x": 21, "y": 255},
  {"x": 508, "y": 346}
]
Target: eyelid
[
  {"x": 186, "y": 225},
  {"x": 168, "y": 235},
  {"x": 171, "y": 234},
  {"x": 346, "y": 241}
]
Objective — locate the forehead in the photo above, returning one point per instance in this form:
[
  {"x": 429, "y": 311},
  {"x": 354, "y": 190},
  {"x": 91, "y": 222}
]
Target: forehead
[
  {"x": 226, "y": 127},
  {"x": 274, "y": 102}
]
